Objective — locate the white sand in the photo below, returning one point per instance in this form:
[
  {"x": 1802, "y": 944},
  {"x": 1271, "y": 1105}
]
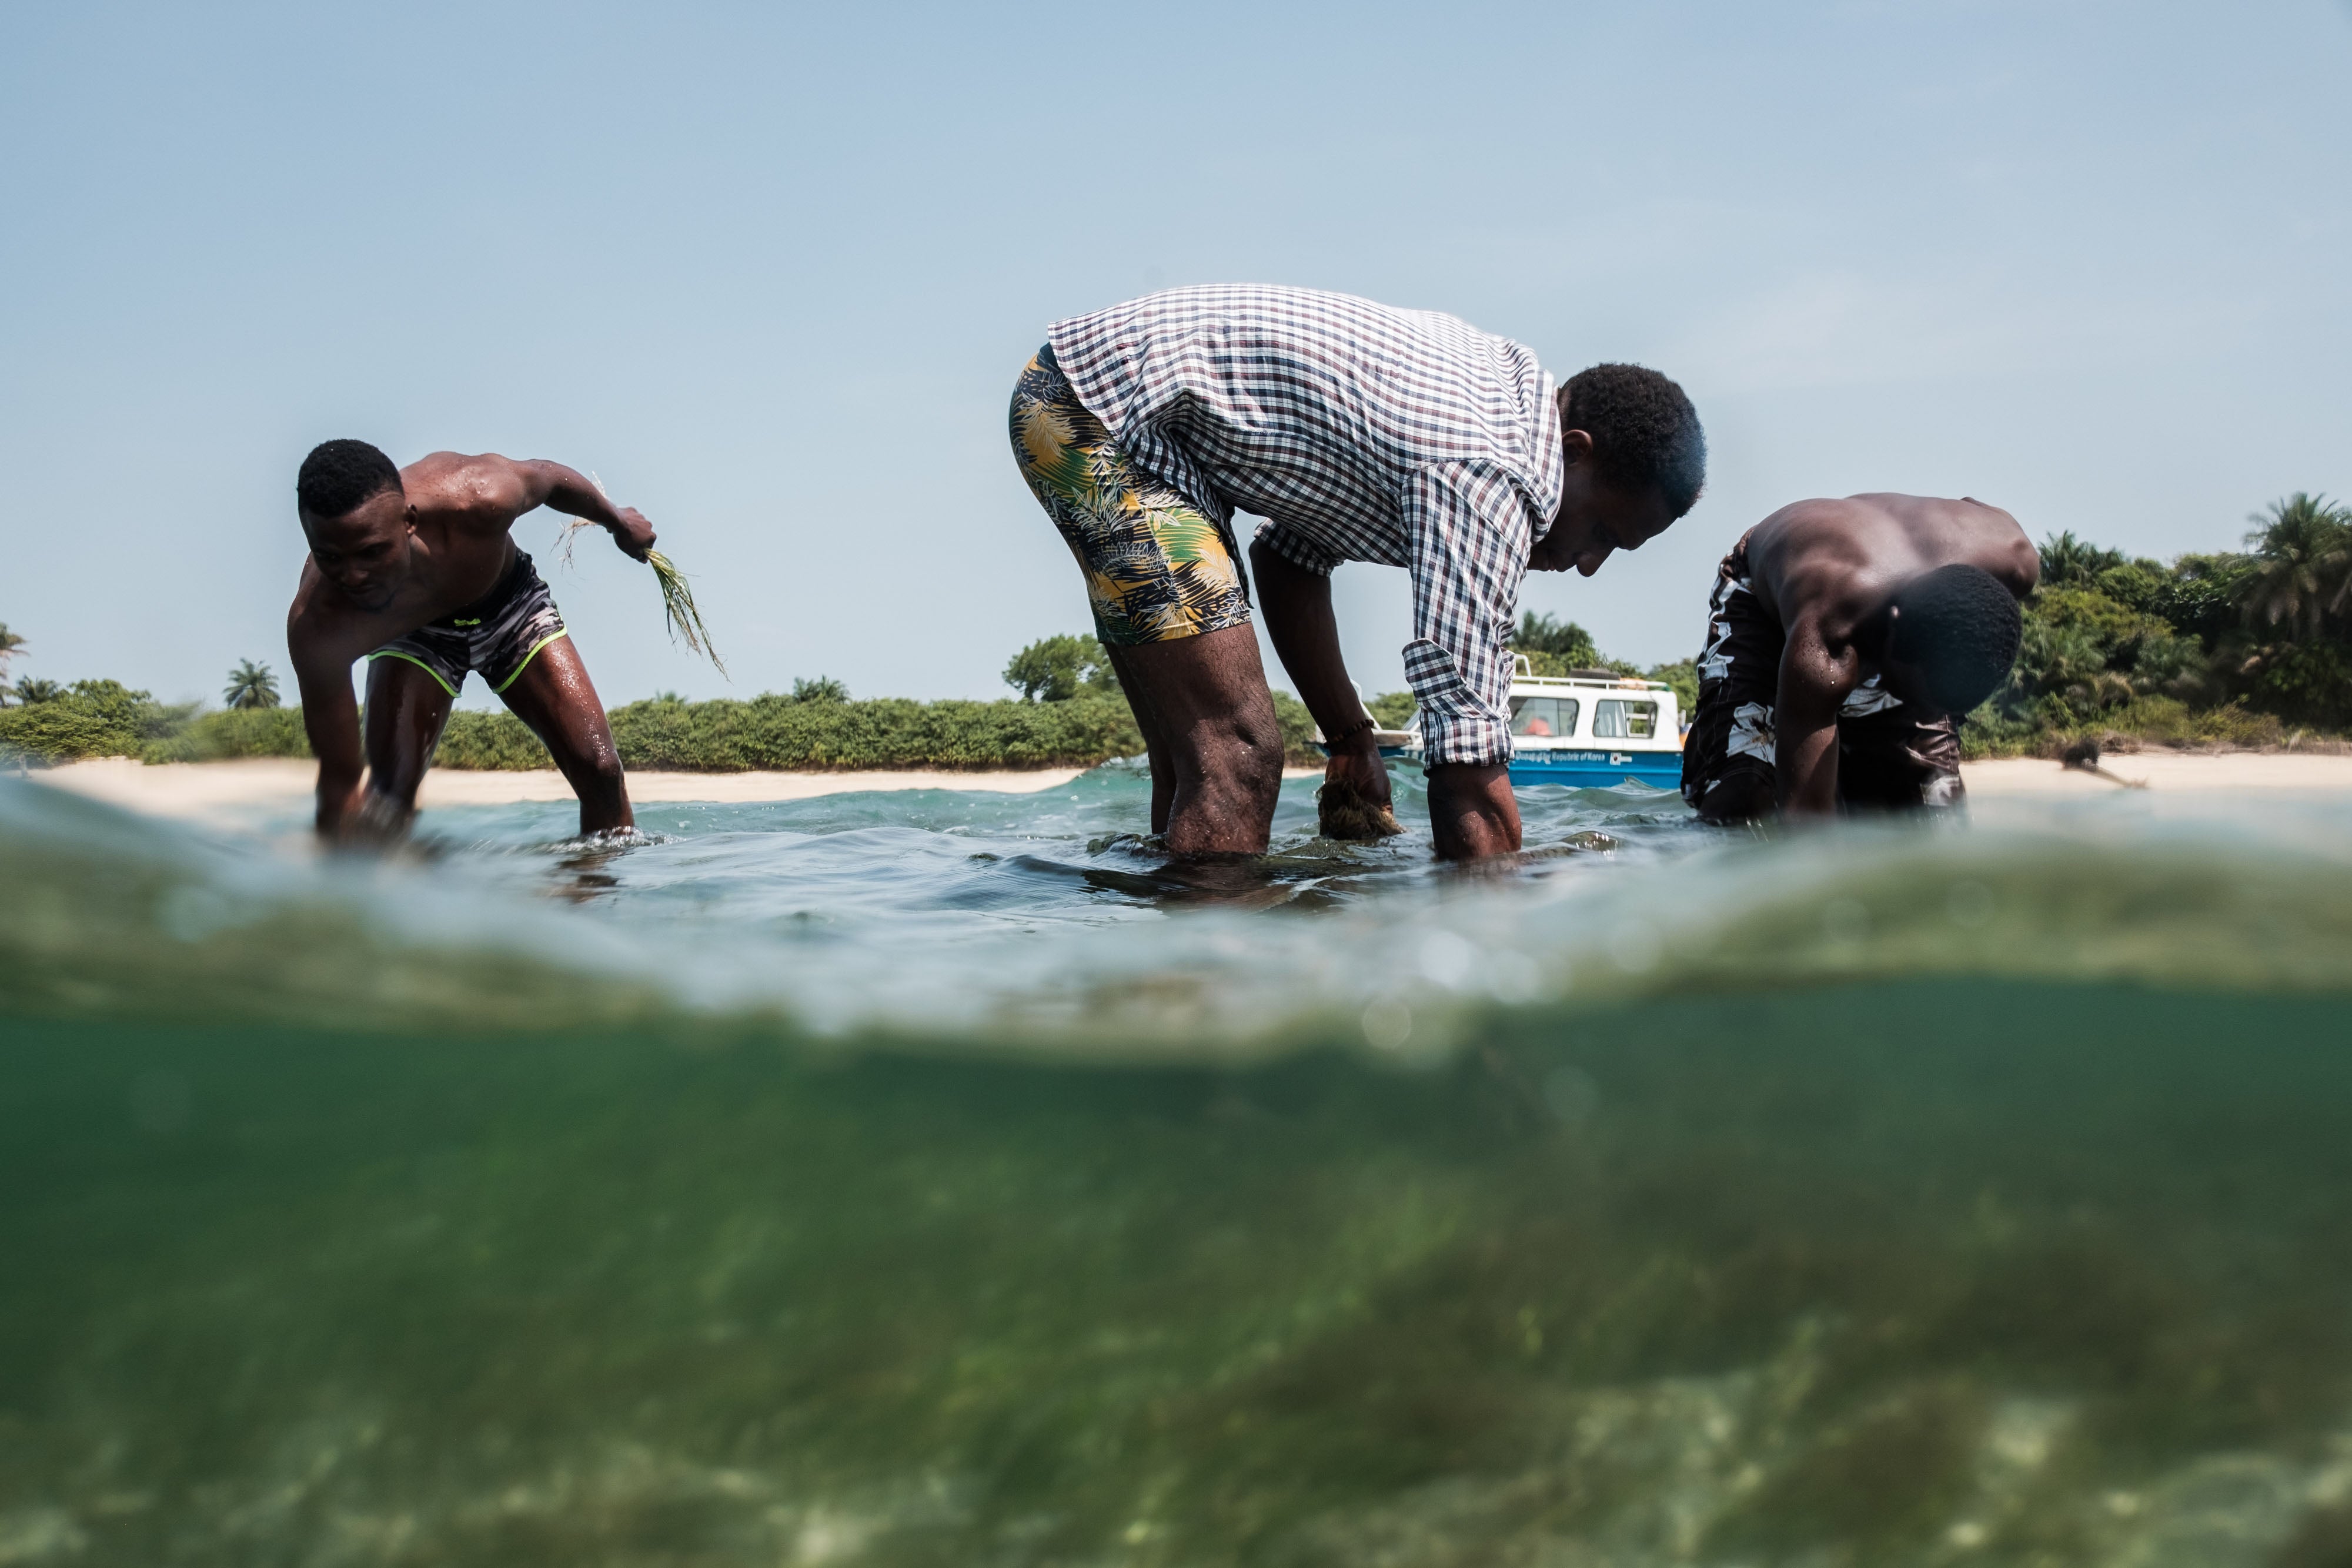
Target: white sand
[
  {"x": 202, "y": 788},
  {"x": 2164, "y": 772}
]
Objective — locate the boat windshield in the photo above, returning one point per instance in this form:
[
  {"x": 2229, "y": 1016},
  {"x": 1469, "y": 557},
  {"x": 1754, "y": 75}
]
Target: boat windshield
[
  {"x": 1542, "y": 716},
  {"x": 1616, "y": 719}
]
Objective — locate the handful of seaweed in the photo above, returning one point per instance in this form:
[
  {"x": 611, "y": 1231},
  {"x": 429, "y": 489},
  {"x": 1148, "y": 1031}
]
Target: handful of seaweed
[
  {"x": 678, "y": 611},
  {"x": 1342, "y": 813}
]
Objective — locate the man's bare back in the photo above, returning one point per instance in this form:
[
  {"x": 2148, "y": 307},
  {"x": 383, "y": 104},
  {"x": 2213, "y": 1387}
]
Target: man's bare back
[
  {"x": 1833, "y": 562},
  {"x": 414, "y": 569},
  {"x": 1819, "y": 590}
]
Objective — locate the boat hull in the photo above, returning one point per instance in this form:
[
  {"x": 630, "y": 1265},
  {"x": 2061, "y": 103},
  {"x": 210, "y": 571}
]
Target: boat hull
[{"x": 1581, "y": 769}]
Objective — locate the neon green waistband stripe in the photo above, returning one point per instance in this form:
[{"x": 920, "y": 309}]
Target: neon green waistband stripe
[{"x": 527, "y": 658}]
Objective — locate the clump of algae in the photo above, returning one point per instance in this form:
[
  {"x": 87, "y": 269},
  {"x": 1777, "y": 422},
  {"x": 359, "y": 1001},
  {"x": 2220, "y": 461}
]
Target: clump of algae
[{"x": 1346, "y": 813}]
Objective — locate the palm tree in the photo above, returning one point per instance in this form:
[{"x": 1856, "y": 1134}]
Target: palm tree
[
  {"x": 2303, "y": 564},
  {"x": 9, "y": 643},
  {"x": 2067, "y": 560},
  {"x": 36, "y": 690},
  {"x": 250, "y": 685}
]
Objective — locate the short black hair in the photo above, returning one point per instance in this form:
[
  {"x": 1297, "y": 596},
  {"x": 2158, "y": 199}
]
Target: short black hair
[
  {"x": 340, "y": 475},
  {"x": 1644, "y": 431},
  {"x": 1960, "y": 627}
]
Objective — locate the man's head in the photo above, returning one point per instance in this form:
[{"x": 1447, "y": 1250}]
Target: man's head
[
  {"x": 357, "y": 518},
  {"x": 1950, "y": 637},
  {"x": 1635, "y": 460}
]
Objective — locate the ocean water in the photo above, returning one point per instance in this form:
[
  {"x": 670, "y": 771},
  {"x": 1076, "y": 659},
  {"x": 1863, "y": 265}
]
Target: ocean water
[{"x": 945, "y": 1178}]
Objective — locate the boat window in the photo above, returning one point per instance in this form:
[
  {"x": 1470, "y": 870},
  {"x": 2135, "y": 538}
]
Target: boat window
[
  {"x": 1619, "y": 720},
  {"x": 1543, "y": 716}
]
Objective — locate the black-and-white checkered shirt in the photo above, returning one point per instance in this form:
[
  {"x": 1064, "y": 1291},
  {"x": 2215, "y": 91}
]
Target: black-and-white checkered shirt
[{"x": 1363, "y": 432}]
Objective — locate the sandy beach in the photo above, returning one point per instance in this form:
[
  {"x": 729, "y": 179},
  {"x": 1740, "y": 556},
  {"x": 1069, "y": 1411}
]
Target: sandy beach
[
  {"x": 199, "y": 789},
  {"x": 2165, "y": 772}
]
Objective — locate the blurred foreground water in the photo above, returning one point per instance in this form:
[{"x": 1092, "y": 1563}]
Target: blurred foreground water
[{"x": 943, "y": 1178}]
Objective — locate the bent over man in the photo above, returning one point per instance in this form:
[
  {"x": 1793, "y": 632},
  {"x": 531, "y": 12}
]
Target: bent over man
[
  {"x": 1845, "y": 639},
  {"x": 414, "y": 569},
  {"x": 1361, "y": 432}
]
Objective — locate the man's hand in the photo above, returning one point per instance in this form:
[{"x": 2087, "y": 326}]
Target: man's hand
[
  {"x": 1354, "y": 802},
  {"x": 631, "y": 533},
  {"x": 1472, "y": 812}
]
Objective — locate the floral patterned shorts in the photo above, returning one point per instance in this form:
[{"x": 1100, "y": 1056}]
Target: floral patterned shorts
[{"x": 1156, "y": 568}]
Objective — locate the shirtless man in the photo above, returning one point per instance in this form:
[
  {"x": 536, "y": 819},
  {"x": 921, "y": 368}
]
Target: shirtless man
[
  {"x": 1844, "y": 642},
  {"x": 412, "y": 568}
]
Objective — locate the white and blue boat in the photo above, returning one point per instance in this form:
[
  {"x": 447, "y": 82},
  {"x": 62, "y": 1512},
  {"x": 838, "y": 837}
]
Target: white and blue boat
[
  {"x": 1593, "y": 729},
  {"x": 1589, "y": 729}
]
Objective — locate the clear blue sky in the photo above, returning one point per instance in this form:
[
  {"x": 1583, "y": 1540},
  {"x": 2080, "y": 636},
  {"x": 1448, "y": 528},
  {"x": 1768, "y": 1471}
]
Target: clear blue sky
[{"x": 771, "y": 272}]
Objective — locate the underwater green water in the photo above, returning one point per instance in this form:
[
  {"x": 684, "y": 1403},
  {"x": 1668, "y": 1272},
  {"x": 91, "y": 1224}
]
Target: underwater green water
[{"x": 1954, "y": 1197}]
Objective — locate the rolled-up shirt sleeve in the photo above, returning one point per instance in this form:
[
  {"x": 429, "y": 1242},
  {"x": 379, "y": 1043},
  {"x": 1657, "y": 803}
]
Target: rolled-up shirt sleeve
[{"x": 1467, "y": 530}]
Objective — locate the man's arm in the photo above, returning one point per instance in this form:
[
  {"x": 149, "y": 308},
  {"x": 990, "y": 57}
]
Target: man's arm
[
  {"x": 534, "y": 482},
  {"x": 1467, "y": 534},
  {"x": 1305, "y": 636},
  {"x": 330, "y": 715},
  {"x": 1472, "y": 812},
  {"x": 1815, "y": 684}
]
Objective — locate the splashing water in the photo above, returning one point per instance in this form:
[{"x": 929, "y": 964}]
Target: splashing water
[{"x": 945, "y": 1176}]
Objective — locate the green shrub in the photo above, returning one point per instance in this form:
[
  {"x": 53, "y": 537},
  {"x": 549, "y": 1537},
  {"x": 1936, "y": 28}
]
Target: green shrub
[
  {"x": 492, "y": 742},
  {"x": 92, "y": 719},
  {"x": 232, "y": 732},
  {"x": 727, "y": 735}
]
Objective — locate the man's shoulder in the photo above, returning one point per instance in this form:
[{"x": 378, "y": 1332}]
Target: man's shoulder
[
  {"x": 482, "y": 487},
  {"x": 1809, "y": 555}
]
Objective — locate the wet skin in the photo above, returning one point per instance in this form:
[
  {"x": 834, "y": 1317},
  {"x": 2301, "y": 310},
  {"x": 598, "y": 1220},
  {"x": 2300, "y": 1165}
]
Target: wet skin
[
  {"x": 406, "y": 557},
  {"x": 1827, "y": 569},
  {"x": 1207, "y": 719}
]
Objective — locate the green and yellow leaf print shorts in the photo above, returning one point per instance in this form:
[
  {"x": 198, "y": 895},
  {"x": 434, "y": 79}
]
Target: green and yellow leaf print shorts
[{"x": 1156, "y": 568}]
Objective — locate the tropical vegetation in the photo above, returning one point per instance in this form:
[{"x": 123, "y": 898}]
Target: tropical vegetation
[
  {"x": 250, "y": 685},
  {"x": 10, "y": 643},
  {"x": 2250, "y": 647},
  {"x": 1562, "y": 647},
  {"x": 1056, "y": 669}
]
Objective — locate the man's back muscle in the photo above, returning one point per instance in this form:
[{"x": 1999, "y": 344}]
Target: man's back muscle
[{"x": 1831, "y": 562}]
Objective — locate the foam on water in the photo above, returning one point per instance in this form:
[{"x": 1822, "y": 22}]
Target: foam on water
[{"x": 942, "y": 1178}]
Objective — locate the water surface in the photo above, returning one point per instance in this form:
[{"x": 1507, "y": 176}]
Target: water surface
[{"x": 944, "y": 1177}]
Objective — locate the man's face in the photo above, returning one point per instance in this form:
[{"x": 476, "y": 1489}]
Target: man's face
[
  {"x": 364, "y": 552},
  {"x": 1595, "y": 521}
]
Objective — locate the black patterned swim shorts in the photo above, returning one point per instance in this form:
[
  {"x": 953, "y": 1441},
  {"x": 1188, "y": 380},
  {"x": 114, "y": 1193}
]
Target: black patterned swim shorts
[{"x": 499, "y": 635}]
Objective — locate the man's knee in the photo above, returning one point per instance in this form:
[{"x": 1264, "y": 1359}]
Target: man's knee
[
  {"x": 597, "y": 769},
  {"x": 1241, "y": 753}
]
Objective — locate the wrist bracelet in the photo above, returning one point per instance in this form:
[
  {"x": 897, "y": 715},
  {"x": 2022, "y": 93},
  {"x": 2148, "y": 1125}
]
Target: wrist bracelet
[{"x": 1366, "y": 723}]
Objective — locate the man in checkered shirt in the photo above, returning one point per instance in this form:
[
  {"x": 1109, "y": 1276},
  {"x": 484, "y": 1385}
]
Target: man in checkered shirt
[{"x": 1362, "y": 432}]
